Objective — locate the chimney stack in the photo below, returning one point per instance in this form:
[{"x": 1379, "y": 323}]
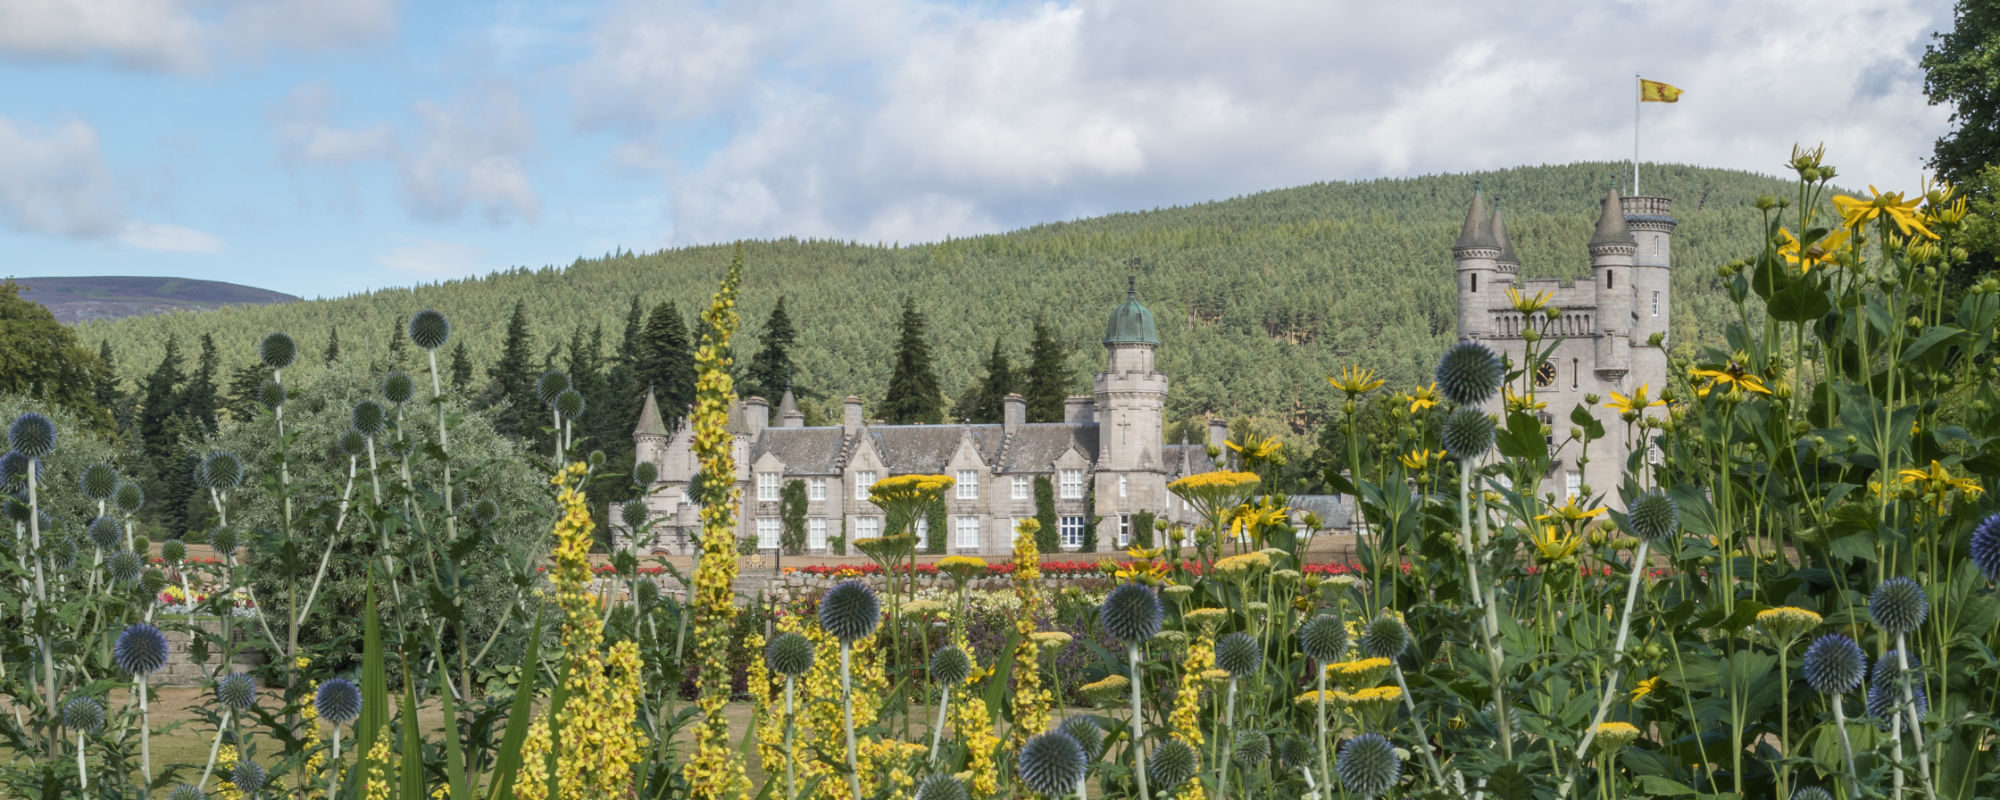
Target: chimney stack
[
  {"x": 1079, "y": 408},
  {"x": 756, "y": 416},
  {"x": 1218, "y": 432},
  {"x": 850, "y": 418},
  {"x": 1016, "y": 412}
]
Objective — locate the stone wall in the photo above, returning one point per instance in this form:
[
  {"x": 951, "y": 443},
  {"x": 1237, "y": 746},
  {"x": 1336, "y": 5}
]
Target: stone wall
[{"x": 181, "y": 670}]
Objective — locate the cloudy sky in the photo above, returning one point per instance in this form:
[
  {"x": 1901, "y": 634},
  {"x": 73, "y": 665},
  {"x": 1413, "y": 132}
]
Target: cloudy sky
[{"x": 323, "y": 147}]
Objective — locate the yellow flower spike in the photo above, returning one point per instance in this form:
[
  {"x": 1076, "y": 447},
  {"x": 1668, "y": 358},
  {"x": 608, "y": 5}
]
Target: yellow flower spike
[
  {"x": 1033, "y": 704},
  {"x": 1855, "y": 211},
  {"x": 1635, "y": 404},
  {"x": 1526, "y": 304},
  {"x": 1819, "y": 254},
  {"x": 1354, "y": 380}
]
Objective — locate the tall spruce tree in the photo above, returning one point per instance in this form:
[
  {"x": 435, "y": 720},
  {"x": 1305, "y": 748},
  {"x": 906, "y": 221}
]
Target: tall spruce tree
[
  {"x": 200, "y": 401},
  {"x": 512, "y": 390},
  {"x": 913, "y": 395},
  {"x": 1049, "y": 378},
  {"x": 460, "y": 369},
  {"x": 160, "y": 425},
  {"x": 989, "y": 404},
  {"x": 399, "y": 342},
  {"x": 105, "y": 390},
  {"x": 666, "y": 361},
  {"x": 244, "y": 383},
  {"x": 332, "y": 353},
  {"x": 770, "y": 372}
]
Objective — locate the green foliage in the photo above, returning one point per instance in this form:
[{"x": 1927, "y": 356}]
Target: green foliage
[
  {"x": 40, "y": 358},
  {"x": 792, "y": 514},
  {"x": 1960, "y": 71},
  {"x": 770, "y": 370},
  {"x": 1142, "y": 529},
  {"x": 665, "y": 362},
  {"x": 1258, "y": 298},
  {"x": 913, "y": 396},
  {"x": 937, "y": 518},
  {"x": 512, "y": 390},
  {"x": 1048, "y": 539},
  {"x": 986, "y": 401},
  {"x": 1049, "y": 378}
]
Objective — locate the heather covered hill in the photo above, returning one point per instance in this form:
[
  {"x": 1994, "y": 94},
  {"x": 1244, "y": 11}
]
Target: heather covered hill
[
  {"x": 75, "y": 300},
  {"x": 1258, "y": 297}
]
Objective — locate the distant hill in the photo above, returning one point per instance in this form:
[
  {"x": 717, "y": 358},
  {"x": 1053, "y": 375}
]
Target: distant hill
[
  {"x": 1258, "y": 297},
  {"x": 75, "y": 300}
]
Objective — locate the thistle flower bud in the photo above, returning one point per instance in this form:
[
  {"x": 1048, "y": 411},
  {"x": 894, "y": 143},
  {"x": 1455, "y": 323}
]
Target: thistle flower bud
[
  {"x": 14, "y": 472},
  {"x": 277, "y": 350},
  {"x": 850, "y": 611},
  {"x": 338, "y": 701},
  {"x": 568, "y": 403},
  {"x": 1898, "y": 605},
  {"x": 1051, "y": 764},
  {"x": 351, "y": 443},
  {"x": 950, "y": 666},
  {"x": 1085, "y": 731},
  {"x": 236, "y": 690},
  {"x": 367, "y": 417},
  {"x": 644, "y": 474},
  {"x": 106, "y": 532},
  {"x": 98, "y": 481},
  {"x": 124, "y": 566},
  {"x": 1368, "y": 765},
  {"x": 1239, "y": 654},
  {"x": 173, "y": 551},
  {"x": 1293, "y": 751},
  {"x": 1811, "y": 793},
  {"x": 60, "y": 551},
  {"x": 634, "y": 513},
  {"x": 940, "y": 786},
  {"x": 1323, "y": 639},
  {"x": 1252, "y": 748},
  {"x": 152, "y": 582},
  {"x": 485, "y": 512},
  {"x": 1385, "y": 638},
  {"x": 248, "y": 776},
  {"x": 1131, "y": 613},
  {"x": 83, "y": 714},
  {"x": 1467, "y": 433},
  {"x": 649, "y": 593},
  {"x": 790, "y": 654},
  {"x": 397, "y": 387},
  {"x": 1173, "y": 763},
  {"x": 271, "y": 394},
  {"x": 141, "y": 649},
  {"x": 1468, "y": 374},
  {"x": 429, "y": 329},
  {"x": 1986, "y": 548},
  {"x": 1654, "y": 517},
  {"x": 186, "y": 791},
  {"x": 32, "y": 435},
  {"x": 223, "y": 540},
  {"x": 220, "y": 471},
  {"x": 550, "y": 384}
]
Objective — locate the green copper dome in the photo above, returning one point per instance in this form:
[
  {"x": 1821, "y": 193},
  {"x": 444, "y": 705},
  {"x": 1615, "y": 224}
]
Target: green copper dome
[{"x": 1131, "y": 323}]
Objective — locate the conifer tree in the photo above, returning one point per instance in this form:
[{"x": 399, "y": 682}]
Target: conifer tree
[
  {"x": 105, "y": 390},
  {"x": 1049, "y": 378},
  {"x": 160, "y": 425},
  {"x": 399, "y": 342},
  {"x": 913, "y": 395},
  {"x": 513, "y": 380},
  {"x": 770, "y": 372},
  {"x": 244, "y": 383},
  {"x": 989, "y": 402},
  {"x": 333, "y": 346},
  {"x": 666, "y": 361},
  {"x": 199, "y": 401},
  {"x": 461, "y": 369}
]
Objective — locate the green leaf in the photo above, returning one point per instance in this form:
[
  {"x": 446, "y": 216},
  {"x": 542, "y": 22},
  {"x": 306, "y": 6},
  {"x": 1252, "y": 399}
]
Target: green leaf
[
  {"x": 507, "y": 760},
  {"x": 413, "y": 744},
  {"x": 1936, "y": 335},
  {"x": 454, "y": 753},
  {"x": 1522, "y": 438},
  {"x": 1507, "y": 783},
  {"x": 374, "y": 678},
  {"x": 1656, "y": 786}
]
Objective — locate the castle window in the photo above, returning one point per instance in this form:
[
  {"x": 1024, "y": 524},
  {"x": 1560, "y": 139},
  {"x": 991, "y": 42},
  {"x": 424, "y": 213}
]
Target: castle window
[
  {"x": 968, "y": 484},
  {"x": 1575, "y": 373},
  {"x": 1572, "y": 485},
  {"x": 767, "y": 486},
  {"x": 1013, "y": 530},
  {"x": 1021, "y": 487},
  {"x": 1656, "y": 304},
  {"x": 816, "y": 533},
  {"x": 1124, "y": 483},
  {"x": 1072, "y": 484},
  {"x": 1475, "y": 281},
  {"x": 1071, "y": 529},
  {"x": 767, "y": 533},
  {"x": 816, "y": 489},
  {"x": 923, "y": 527},
  {"x": 867, "y": 528},
  {"x": 1607, "y": 278},
  {"x": 968, "y": 533},
  {"x": 863, "y": 480},
  {"x": 1124, "y": 530}
]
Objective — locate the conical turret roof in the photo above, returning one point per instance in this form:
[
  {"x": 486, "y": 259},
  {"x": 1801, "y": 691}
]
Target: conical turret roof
[
  {"x": 1507, "y": 255},
  {"x": 649, "y": 417},
  {"x": 1611, "y": 222},
  {"x": 787, "y": 405},
  {"x": 1478, "y": 230}
]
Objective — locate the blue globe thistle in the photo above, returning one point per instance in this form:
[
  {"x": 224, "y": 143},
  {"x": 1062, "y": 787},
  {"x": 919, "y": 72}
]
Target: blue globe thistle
[
  {"x": 1252, "y": 748},
  {"x": 1467, "y": 433},
  {"x": 16, "y": 508},
  {"x": 1172, "y": 763},
  {"x": 141, "y": 649},
  {"x": 1293, "y": 751},
  {"x": 1986, "y": 547},
  {"x": 98, "y": 481},
  {"x": 400, "y": 447},
  {"x": 850, "y": 611},
  {"x": 351, "y": 443},
  {"x": 1385, "y": 638},
  {"x": 551, "y": 383},
  {"x": 940, "y": 786},
  {"x": 645, "y": 473},
  {"x": 1898, "y": 605},
  {"x": 151, "y": 583},
  {"x": 223, "y": 540},
  {"x": 277, "y": 350},
  {"x": 1085, "y": 730},
  {"x": 1131, "y": 613},
  {"x": 789, "y": 654},
  {"x": 1468, "y": 374},
  {"x": 649, "y": 593},
  {"x": 271, "y": 394},
  {"x": 60, "y": 551},
  {"x": 173, "y": 551},
  {"x": 1323, "y": 639},
  {"x": 1834, "y": 664},
  {"x": 485, "y": 512},
  {"x": 1368, "y": 765},
  {"x": 1885, "y": 692},
  {"x": 1655, "y": 517},
  {"x": 1051, "y": 764},
  {"x": 124, "y": 566},
  {"x": 220, "y": 471},
  {"x": 186, "y": 791},
  {"x": 338, "y": 701},
  {"x": 32, "y": 435},
  {"x": 237, "y": 690},
  {"x": 397, "y": 387},
  {"x": 634, "y": 513},
  {"x": 367, "y": 417},
  {"x": 129, "y": 498},
  {"x": 568, "y": 403},
  {"x": 248, "y": 776},
  {"x": 83, "y": 714},
  {"x": 1811, "y": 793},
  {"x": 1239, "y": 654},
  {"x": 950, "y": 666},
  {"x": 429, "y": 329},
  {"x": 14, "y": 472}
]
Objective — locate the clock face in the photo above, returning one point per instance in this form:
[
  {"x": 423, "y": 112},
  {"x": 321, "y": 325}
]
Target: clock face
[{"x": 1545, "y": 375}]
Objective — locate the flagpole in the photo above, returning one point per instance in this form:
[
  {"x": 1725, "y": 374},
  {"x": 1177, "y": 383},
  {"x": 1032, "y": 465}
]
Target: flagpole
[{"x": 1638, "y": 95}]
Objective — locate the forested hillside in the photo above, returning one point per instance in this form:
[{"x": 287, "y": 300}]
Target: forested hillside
[{"x": 1257, "y": 297}]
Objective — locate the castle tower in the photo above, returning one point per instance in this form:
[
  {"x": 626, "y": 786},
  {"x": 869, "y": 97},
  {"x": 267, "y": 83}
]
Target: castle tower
[
  {"x": 1651, "y": 220},
  {"x": 1477, "y": 253},
  {"x": 1131, "y": 397},
  {"x": 1612, "y": 250},
  {"x": 1507, "y": 268},
  {"x": 649, "y": 438}
]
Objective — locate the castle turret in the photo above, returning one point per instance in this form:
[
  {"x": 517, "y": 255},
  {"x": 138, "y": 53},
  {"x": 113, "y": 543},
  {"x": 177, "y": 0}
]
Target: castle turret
[
  {"x": 1507, "y": 267},
  {"x": 649, "y": 438},
  {"x": 1131, "y": 400},
  {"x": 1651, "y": 220},
  {"x": 1477, "y": 254},
  {"x": 1612, "y": 249}
]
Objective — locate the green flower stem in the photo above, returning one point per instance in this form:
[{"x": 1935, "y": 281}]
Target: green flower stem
[
  {"x": 213, "y": 749},
  {"x": 1416, "y": 720},
  {"x": 1846, "y": 748},
  {"x": 145, "y": 731},
  {"x": 1617, "y": 669},
  {"x": 82, "y": 774},
  {"x": 1785, "y": 716},
  {"x": 1138, "y": 724},
  {"x": 333, "y": 766},
  {"x": 847, "y": 718},
  {"x": 1910, "y": 710},
  {"x": 937, "y": 731},
  {"x": 791, "y": 777},
  {"x": 1223, "y": 743},
  {"x": 1319, "y": 728}
]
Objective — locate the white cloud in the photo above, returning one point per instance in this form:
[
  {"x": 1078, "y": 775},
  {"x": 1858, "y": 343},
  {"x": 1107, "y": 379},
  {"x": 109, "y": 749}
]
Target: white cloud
[
  {"x": 56, "y": 182},
  {"x": 911, "y": 120},
  {"x": 171, "y": 239},
  {"x": 433, "y": 259},
  {"x": 180, "y": 35}
]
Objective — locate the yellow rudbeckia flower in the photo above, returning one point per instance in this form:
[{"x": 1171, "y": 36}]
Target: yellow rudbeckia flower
[
  {"x": 1819, "y": 254},
  {"x": 1354, "y": 380},
  {"x": 1855, "y": 211},
  {"x": 1634, "y": 404}
]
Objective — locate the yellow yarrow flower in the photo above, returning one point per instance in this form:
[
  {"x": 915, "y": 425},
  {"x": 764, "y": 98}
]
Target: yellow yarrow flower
[
  {"x": 1206, "y": 618},
  {"x": 962, "y": 568},
  {"x": 1242, "y": 566},
  {"x": 1613, "y": 736},
  {"x": 1786, "y": 623},
  {"x": 1108, "y": 691},
  {"x": 1359, "y": 672}
]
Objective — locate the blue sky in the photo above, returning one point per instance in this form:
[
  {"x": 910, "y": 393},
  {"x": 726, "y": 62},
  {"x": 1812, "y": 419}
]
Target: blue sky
[{"x": 324, "y": 147}]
